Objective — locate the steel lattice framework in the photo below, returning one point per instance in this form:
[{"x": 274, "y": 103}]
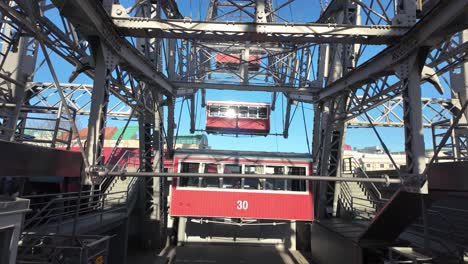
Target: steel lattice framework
[{"x": 362, "y": 63}]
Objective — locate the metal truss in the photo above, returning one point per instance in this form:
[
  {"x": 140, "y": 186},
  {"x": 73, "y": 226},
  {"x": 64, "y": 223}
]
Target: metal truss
[
  {"x": 387, "y": 114},
  {"x": 444, "y": 58},
  {"x": 373, "y": 12},
  {"x": 433, "y": 26},
  {"x": 92, "y": 20},
  {"x": 63, "y": 40},
  {"x": 421, "y": 55},
  {"x": 78, "y": 96},
  {"x": 390, "y": 113},
  {"x": 281, "y": 67},
  {"x": 255, "y": 32}
]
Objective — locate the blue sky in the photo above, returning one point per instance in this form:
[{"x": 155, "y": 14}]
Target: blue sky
[{"x": 301, "y": 11}]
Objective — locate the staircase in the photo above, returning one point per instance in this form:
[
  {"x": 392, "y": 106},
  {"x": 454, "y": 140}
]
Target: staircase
[
  {"x": 359, "y": 200},
  {"x": 49, "y": 228},
  {"x": 116, "y": 188},
  {"x": 59, "y": 212}
]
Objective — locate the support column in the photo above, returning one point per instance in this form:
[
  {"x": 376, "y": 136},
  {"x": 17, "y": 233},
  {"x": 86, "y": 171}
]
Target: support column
[
  {"x": 18, "y": 67},
  {"x": 287, "y": 118},
  {"x": 338, "y": 151},
  {"x": 192, "y": 114},
  {"x": 153, "y": 225},
  {"x": 170, "y": 126},
  {"x": 463, "y": 89},
  {"x": 331, "y": 129},
  {"x": 105, "y": 63},
  {"x": 244, "y": 67},
  {"x": 329, "y": 159},
  {"x": 151, "y": 160},
  {"x": 410, "y": 74}
]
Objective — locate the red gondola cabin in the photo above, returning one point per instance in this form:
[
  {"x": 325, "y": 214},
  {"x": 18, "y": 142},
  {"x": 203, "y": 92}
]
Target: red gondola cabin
[
  {"x": 237, "y": 118},
  {"x": 233, "y": 61},
  {"x": 280, "y": 199}
]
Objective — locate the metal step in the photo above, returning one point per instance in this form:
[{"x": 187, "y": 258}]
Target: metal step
[{"x": 405, "y": 254}]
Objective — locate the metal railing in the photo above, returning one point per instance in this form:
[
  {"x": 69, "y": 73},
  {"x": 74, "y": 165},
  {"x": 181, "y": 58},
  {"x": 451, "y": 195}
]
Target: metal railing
[
  {"x": 58, "y": 216},
  {"x": 358, "y": 172},
  {"x": 55, "y": 211},
  {"x": 40, "y": 249},
  {"x": 455, "y": 147},
  {"x": 358, "y": 206},
  {"x": 45, "y": 126},
  {"x": 127, "y": 160},
  {"x": 346, "y": 198}
]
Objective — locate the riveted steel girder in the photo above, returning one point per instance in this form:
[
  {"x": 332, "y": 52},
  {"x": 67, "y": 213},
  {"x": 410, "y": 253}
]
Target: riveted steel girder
[
  {"x": 91, "y": 19},
  {"x": 258, "y": 32},
  {"x": 440, "y": 21}
]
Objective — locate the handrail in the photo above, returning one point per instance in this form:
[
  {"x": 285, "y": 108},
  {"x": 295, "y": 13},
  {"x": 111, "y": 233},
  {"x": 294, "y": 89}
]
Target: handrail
[
  {"x": 60, "y": 207},
  {"x": 48, "y": 213},
  {"x": 126, "y": 155},
  {"x": 372, "y": 193},
  {"x": 109, "y": 180},
  {"x": 44, "y": 248},
  {"x": 357, "y": 168},
  {"x": 347, "y": 196}
]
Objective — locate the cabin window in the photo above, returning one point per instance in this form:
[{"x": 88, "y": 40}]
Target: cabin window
[
  {"x": 231, "y": 112},
  {"x": 262, "y": 112},
  {"x": 187, "y": 167},
  {"x": 297, "y": 185},
  {"x": 232, "y": 183},
  {"x": 390, "y": 166},
  {"x": 242, "y": 183},
  {"x": 253, "y": 112},
  {"x": 223, "y": 110},
  {"x": 250, "y": 183},
  {"x": 214, "y": 110},
  {"x": 243, "y": 111},
  {"x": 382, "y": 165},
  {"x": 209, "y": 182},
  {"x": 274, "y": 184}
]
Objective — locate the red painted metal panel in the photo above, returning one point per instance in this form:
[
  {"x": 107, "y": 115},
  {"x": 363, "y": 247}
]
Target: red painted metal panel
[
  {"x": 260, "y": 205},
  {"x": 281, "y": 206},
  {"x": 239, "y": 124},
  {"x": 235, "y": 58}
]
